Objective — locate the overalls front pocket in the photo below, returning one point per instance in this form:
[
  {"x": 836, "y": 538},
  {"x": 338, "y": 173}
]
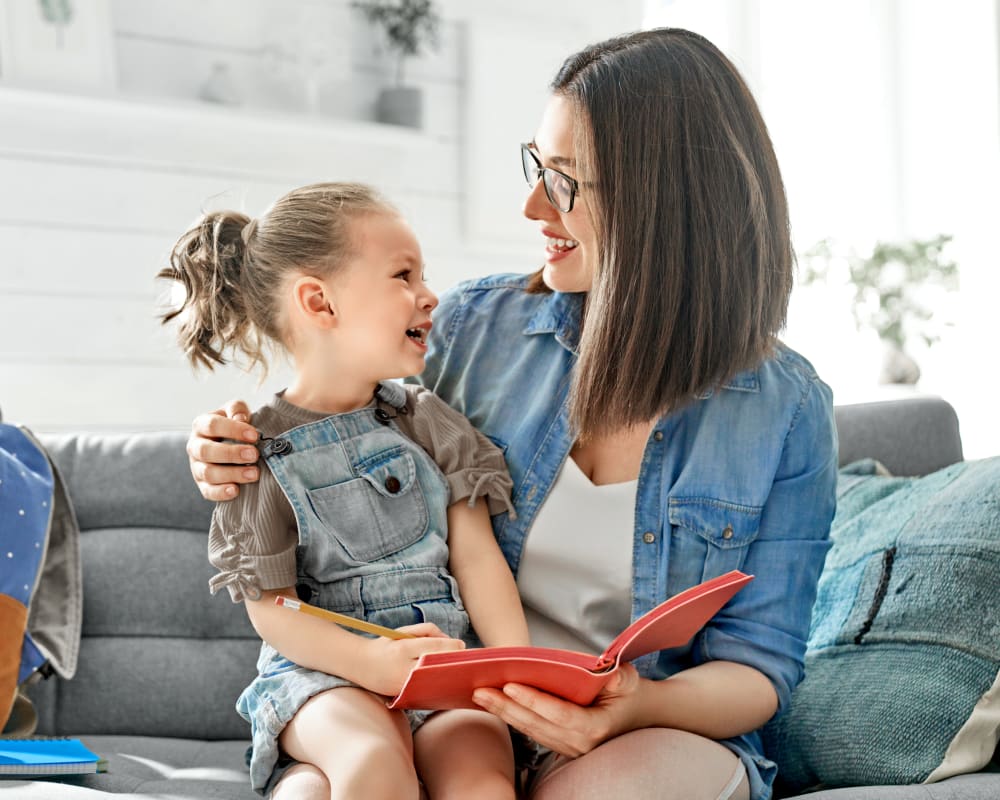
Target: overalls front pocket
[{"x": 378, "y": 513}]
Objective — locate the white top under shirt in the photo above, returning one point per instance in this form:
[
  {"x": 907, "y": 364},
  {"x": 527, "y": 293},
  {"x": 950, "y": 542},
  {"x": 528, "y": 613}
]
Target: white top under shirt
[{"x": 575, "y": 576}]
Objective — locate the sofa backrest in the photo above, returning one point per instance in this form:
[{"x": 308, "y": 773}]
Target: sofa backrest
[
  {"x": 159, "y": 656},
  {"x": 910, "y": 436}
]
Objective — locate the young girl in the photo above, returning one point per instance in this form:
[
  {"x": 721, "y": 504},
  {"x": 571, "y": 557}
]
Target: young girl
[{"x": 375, "y": 501}]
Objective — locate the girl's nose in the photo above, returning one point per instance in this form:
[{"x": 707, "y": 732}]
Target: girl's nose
[{"x": 429, "y": 300}]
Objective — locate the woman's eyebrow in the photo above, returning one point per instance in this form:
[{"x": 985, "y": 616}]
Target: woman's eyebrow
[
  {"x": 557, "y": 161},
  {"x": 562, "y": 161}
]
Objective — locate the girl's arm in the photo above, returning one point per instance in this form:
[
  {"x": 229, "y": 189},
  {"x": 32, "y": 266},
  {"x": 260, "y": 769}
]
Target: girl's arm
[
  {"x": 380, "y": 665},
  {"x": 484, "y": 578}
]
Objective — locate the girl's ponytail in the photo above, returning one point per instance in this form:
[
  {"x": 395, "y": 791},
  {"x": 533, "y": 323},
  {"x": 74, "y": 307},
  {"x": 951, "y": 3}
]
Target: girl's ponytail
[
  {"x": 208, "y": 261},
  {"x": 234, "y": 269}
]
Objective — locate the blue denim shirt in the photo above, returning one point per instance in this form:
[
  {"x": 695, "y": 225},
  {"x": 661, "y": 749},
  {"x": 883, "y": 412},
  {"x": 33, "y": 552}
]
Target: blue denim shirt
[{"x": 743, "y": 478}]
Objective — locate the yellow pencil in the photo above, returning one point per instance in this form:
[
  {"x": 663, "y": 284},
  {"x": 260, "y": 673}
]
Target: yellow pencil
[{"x": 341, "y": 619}]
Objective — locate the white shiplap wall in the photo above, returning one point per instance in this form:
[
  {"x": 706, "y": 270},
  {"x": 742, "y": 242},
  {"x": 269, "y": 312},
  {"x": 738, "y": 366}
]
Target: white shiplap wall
[{"x": 96, "y": 189}]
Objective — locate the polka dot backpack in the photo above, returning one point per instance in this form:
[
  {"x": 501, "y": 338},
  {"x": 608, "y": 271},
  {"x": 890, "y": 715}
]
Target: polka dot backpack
[{"x": 29, "y": 491}]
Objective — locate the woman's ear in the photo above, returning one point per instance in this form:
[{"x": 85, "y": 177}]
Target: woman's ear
[{"x": 313, "y": 301}]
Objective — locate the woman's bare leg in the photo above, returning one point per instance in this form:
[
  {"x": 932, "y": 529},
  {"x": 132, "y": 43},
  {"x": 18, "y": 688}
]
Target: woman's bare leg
[
  {"x": 462, "y": 754},
  {"x": 362, "y": 748},
  {"x": 648, "y": 764}
]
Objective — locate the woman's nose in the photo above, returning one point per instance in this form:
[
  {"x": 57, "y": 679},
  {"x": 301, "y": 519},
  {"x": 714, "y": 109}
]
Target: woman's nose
[{"x": 537, "y": 205}]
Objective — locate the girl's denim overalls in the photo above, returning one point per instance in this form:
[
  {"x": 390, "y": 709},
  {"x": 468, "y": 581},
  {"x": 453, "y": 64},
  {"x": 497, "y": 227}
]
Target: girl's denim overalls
[{"x": 371, "y": 507}]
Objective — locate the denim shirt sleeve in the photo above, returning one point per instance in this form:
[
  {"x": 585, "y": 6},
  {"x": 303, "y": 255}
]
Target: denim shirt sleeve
[{"x": 767, "y": 624}]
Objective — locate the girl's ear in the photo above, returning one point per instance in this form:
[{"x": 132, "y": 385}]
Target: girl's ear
[{"x": 312, "y": 300}]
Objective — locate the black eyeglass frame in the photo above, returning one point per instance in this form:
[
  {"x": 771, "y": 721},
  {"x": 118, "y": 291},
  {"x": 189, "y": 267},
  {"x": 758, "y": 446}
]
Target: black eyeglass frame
[{"x": 541, "y": 172}]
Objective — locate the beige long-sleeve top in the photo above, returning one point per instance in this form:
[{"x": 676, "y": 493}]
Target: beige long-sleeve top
[{"x": 253, "y": 537}]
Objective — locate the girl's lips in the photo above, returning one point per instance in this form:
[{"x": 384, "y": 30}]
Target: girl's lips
[{"x": 420, "y": 341}]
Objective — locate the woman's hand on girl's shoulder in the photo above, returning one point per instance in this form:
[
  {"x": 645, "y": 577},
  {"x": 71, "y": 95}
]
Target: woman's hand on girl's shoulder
[{"x": 220, "y": 447}]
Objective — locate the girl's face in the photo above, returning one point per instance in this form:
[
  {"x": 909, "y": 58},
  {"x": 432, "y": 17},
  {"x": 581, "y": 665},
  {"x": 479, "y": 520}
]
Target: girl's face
[
  {"x": 382, "y": 304},
  {"x": 570, "y": 239}
]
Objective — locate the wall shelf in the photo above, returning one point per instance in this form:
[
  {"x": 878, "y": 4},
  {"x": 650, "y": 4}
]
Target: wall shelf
[{"x": 193, "y": 137}]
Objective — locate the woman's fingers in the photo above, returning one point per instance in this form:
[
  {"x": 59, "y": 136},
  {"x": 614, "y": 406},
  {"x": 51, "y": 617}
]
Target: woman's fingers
[
  {"x": 555, "y": 723},
  {"x": 524, "y": 718},
  {"x": 213, "y": 453},
  {"x": 217, "y": 426},
  {"x": 238, "y": 410},
  {"x": 221, "y": 451}
]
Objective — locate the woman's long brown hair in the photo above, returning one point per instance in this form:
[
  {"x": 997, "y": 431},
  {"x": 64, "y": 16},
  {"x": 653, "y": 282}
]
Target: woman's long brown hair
[{"x": 695, "y": 261}]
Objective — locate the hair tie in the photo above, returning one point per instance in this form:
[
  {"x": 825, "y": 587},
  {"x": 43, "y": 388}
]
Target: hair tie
[{"x": 248, "y": 230}]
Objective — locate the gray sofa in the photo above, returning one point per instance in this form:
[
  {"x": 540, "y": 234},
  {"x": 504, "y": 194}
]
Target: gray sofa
[{"x": 161, "y": 661}]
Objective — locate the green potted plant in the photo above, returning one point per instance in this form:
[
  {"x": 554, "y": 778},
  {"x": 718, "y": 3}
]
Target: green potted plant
[
  {"x": 894, "y": 286},
  {"x": 409, "y": 27}
]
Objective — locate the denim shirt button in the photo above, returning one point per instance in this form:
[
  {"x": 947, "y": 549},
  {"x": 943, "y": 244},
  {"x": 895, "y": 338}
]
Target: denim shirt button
[
  {"x": 649, "y": 537},
  {"x": 728, "y": 532},
  {"x": 658, "y": 436},
  {"x": 392, "y": 484}
]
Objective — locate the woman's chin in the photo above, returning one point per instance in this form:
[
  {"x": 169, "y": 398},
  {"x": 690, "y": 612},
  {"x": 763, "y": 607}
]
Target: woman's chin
[{"x": 565, "y": 278}]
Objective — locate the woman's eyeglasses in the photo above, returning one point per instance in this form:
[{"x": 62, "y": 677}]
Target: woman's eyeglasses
[{"x": 561, "y": 190}]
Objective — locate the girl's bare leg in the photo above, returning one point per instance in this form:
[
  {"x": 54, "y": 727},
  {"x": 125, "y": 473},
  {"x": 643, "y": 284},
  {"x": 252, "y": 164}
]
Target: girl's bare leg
[
  {"x": 302, "y": 782},
  {"x": 362, "y": 748},
  {"x": 647, "y": 764},
  {"x": 464, "y": 753}
]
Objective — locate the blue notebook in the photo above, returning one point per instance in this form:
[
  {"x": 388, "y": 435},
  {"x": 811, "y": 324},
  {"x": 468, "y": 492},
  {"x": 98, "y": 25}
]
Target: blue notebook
[{"x": 29, "y": 757}]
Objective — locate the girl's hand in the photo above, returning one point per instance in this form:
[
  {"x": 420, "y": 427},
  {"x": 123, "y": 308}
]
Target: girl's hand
[
  {"x": 389, "y": 661},
  {"x": 563, "y": 726},
  {"x": 217, "y": 465}
]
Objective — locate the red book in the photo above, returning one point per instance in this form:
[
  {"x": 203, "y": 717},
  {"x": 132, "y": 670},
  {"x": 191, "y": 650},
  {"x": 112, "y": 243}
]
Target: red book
[{"x": 447, "y": 680}]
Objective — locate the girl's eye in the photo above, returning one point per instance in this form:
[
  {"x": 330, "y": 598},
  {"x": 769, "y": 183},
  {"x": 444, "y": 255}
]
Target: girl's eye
[{"x": 404, "y": 274}]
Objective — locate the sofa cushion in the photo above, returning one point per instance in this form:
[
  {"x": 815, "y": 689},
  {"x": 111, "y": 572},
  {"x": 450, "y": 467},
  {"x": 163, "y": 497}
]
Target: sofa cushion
[
  {"x": 904, "y": 649},
  {"x": 121, "y": 480},
  {"x": 151, "y": 767},
  {"x": 159, "y": 655}
]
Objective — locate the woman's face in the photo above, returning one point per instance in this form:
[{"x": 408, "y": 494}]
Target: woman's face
[{"x": 570, "y": 240}]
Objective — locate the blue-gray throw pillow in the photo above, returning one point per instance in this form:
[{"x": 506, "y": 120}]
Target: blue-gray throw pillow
[{"x": 901, "y": 678}]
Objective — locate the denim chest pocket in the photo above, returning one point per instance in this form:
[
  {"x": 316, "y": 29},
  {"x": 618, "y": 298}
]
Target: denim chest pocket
[
  {"x": 378, "y": 513},
  {"x": 722, "y": 531}
]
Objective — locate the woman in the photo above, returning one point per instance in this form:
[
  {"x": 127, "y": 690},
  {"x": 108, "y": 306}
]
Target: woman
[{"x": 656, "y": 431}]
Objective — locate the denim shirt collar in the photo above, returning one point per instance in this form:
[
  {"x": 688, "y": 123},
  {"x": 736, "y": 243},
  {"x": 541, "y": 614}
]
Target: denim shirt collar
[{"x": 562, "y": 313}]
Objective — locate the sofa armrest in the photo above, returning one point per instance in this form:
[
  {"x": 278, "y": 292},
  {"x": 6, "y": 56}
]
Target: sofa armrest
[{"x": 911, "y": 436}]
